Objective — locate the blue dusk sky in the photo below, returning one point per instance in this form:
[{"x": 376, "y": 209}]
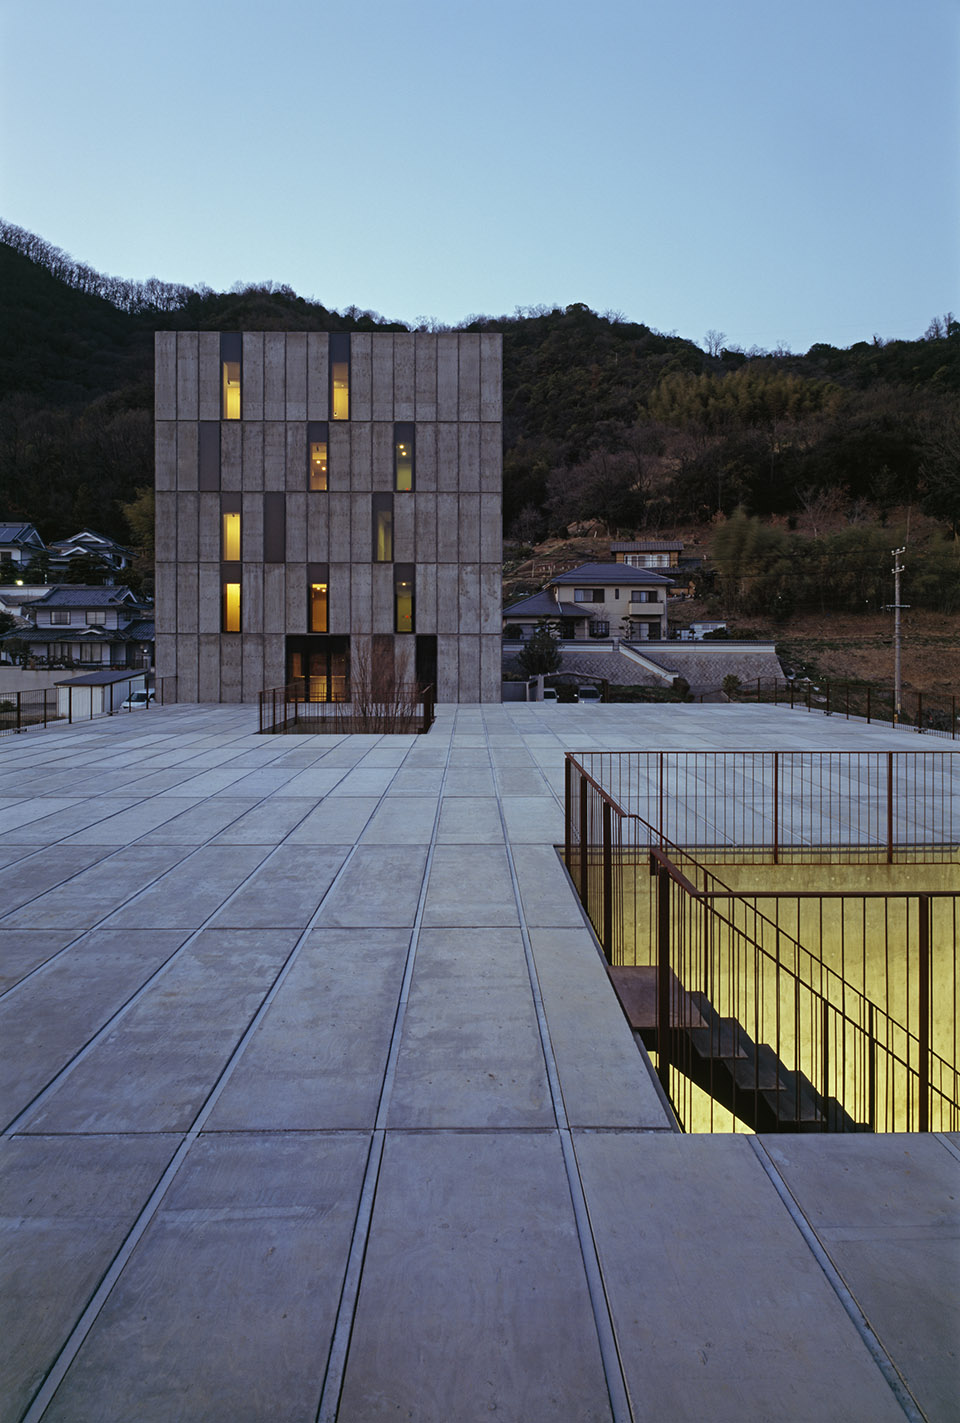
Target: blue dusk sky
[{"x": 782, "y": 172}]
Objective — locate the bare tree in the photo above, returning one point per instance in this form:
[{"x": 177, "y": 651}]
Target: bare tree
[{"x": 714, "y": 342}]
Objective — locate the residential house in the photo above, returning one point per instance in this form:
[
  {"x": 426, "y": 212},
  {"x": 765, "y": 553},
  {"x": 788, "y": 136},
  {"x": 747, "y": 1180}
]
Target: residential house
[
  {"x": 19, "y": 542},
  {"x": 597, "y": 600},
  {"x": 72, "y": 624},
  {"x": 89, "y": 544},
  {"x": 325, "y": 503},
  {"x": 648, "y": 553}
]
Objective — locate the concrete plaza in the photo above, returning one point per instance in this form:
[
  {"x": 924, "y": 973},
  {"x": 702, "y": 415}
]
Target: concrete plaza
[{"x": 318, "y": 1103}]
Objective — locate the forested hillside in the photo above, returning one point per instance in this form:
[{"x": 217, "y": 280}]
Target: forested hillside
[{"x": 605, "y": 420}]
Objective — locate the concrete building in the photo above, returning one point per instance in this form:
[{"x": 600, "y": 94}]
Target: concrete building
[{"x": 326, "y": 501}]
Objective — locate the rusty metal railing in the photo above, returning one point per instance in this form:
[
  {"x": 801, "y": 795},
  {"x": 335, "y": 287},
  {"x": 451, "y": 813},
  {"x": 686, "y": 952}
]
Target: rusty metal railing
[
  {"x": 769, "y": 1001},
  {"x": 302, "y": 707}
]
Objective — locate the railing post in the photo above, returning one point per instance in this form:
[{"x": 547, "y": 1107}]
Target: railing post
[
  {"x": 923, "y": 1027},
  {"x": 567, "y": 811},
  {"x": 919, "y": 711},
  {"x": 871, "y": 1069},
  {"x": 663, "y": 978},
  {"x": 776, "y": 807},
  {"x": 868, "y": 704},
  {"x": 828, "y": 699},
  {"x": 608, "y": 881},
  {"x": 584, "y": 889},
  {"x": 953, "y": 717},
  {"x": 889, "y": 807},
  {"x": 825, "y": 1062},
  {"x": 69, "y": 706},
  {"x": 19, "y": 713}
]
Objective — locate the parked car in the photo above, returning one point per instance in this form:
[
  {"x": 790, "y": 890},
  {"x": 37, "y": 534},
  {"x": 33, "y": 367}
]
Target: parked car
[
  {"x": 589, "y": 694},
  {"x": 138, "y": 699},
  {"x": 550, "y": 694}
]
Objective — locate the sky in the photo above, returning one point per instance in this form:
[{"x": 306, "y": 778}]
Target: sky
[{"x": 783, "y": 173}]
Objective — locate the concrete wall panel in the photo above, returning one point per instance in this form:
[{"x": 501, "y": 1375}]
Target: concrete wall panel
[
  {"x": 165, "y": 532},
  {"x": 295, "y": 597},
  {"x": 426, "y": 456},
  {"x": 231, "y": 463},
  {"x": 188, "y": 392},
  {"x": 187, "y": 456},
  {"x": 187, "y": 529},
  {"x": 252, "y": 666},
  {"x": 404, "y": 376},
  {"x": 296, "y": 475},
  {"x": 381, "y": 401},
  {"x": 318, "y": 376},
  {"x": 360, "y": 597},
  {"x": 381, "y": 610},
  {"x": 296, "y": 376},
  {"x": 274, "y": 660},
  {"x": 231, "y": 668},
  {"x": 208, "y": 370},
  {"x": 208, "y": 658},
  {"x": 448, "y": 376},
  {"x": 188, "y": 580},
  {"x": 251, "y": 599},
  {"x": 448, "y": 520},
  {"x": 165, "y": 655},
  {"x": 426, "y": 376},
  {"x": 339, "y": 517},
  {"x": 251, "y": 455},
  {"x": 404, "y": 658},
  {"x": 251, "y": 403},
  {"x": 274, "y": 455},
  {"x": 251, "y": 529},
  {"x": 296, "y": 529},
  {"x": 448, "y": 598},
  {"x": 426, "y": 588},
  {"x": 318, "y": 528},
  {"x": 165, "y": 375},
  {"x": 468, "y": 445},
  {"x": 208, "y": 527},
  {"x": 426, "y": 529},
  {"x": 382, "y": 450},
  {"x": 361, "y": 528},
  {"x": 209, "y": 594},
  {"x": 468, "y": 656},
  {"x": 339, "y": 607},
  {"x": 491, "y": 459},
  {"x": 469, "y": 537},
  {"x": 448, "y": 457},
  {"x": 361, "y": 455},
  {"x": 338, "y": 456},
  {"x": 491, "y": 530},
  {"x": 448, "y": 673},
  {"x": 404, "y": 529},
  {"x": 165, "y": 455},
  {"x": 490, "y": 669},
  {"x": 469, "y": 385},
  {"x": 491, "y": 377},
  {"x": 165, "y": 602},
  {"x": 491, "y": 585},
  {"x": 361, "y": 375},
  {"x": 469, "y": 617},
  {"x": 274, "y": 598},
  {"x": 274, "y": 376},
  {"x": 186, "y": 668}
]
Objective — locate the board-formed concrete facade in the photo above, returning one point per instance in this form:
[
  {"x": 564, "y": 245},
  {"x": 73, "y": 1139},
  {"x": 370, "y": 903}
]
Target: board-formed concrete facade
[{"x": 242, "y": 537}]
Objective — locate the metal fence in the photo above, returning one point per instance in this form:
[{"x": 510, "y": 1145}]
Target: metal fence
[
  {"x": 40, "y": 707},
  {"x": 795, "y": 993},
  {"x": 934, "y": 712},
  {"x": 299, "y": 707}
]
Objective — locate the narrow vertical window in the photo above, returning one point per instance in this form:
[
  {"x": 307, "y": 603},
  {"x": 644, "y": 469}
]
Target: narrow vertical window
[
  {"x": 274, "y": 527},
  {"x": 317, "y": 612},
  {"x": 383, "y": 528},
  {"x": 231, "y": 607},
  {"x": 231, "y": 362},
  {"x": 230, "y": 537},
  {"x": 317, "y": 454},
  {"x": 404, "y": 603},
  {"x": 404, "y": 471},
  {"x": 340, "y": 376},
  {"x": 208, "y": 474}
]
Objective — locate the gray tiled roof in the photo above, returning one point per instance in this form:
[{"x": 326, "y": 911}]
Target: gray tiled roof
[
  {"x": 65, "y": 595},
  {"x": 16, "y": 533},
  {"x": 541, "y": 605},
  {"x": 143, "y": 630},
  {"x": 648, "y": 546},
  {"x": 600, "y": 573}
]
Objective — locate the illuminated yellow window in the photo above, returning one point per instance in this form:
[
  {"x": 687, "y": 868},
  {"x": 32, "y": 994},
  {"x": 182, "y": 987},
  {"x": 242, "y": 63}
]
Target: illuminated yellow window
[
  {"x": 340, "y": 376},
  {"x": 231, "y": 538},
  {"x": 231, "y": 607},
  {"x": 318, "y": 607},
  {"x": 318, "y": 463},
  {"x": 403, "y": 455},
  {"x": 403, "y": 598},
  {"x": 383, "y": 528},
  {"x": 231, "y": 390}
]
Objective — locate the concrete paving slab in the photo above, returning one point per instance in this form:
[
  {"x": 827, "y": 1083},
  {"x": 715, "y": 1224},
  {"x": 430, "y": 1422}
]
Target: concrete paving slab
[
  {"x": 82, "y": 901},
  {"x": 193, "y": 890},
  {"x": 198, "y": 823},
  {"x": 721, "y": 1310},
  {"x": 318, "y": 1057},
  {"x": 51, "y": 1016},
  {"x": 604, "y": 1078},
  {"x": 66, "y": 1204},
  {"x": 469, "y": 781},
  {"x": 334, "y": 822},
  {"x": 425, "y": 780},
  {"x": 475, "y": 1302},
  {"x": 379, "y": 888},
  {"x": 545, "y": 891},
  {"x": 887, "y": 1211},
  {"x": 364, "y": 781},
  {"x": 520, "y": 781},
  {"x": 470, "y": 820},
  {"x": 470, "y": 886},
  {"x": 23, "y": 950},
  {"x": 285, "y": 890},
  {"x": 27, "y": 879},
  {"x": 533, "y": 820},
  {"x": 67, "y": 822},
  {"x": 154, "y": 1068},
  {"x": 267, "y": 823},
  {"x": 314, "y": 782},
  {"x": 27, "y": 810},
  {"x": 136, "y": 822},
  {"x": 237, "y": 1279},
  {"x": 403, "y": 820}
]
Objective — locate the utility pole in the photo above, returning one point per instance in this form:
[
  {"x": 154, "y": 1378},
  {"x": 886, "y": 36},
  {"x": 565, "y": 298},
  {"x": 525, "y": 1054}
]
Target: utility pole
[{"x": 896, "y": 605}]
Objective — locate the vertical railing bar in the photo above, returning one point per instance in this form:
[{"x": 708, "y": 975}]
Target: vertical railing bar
[{"x": 923, "y": 1026}]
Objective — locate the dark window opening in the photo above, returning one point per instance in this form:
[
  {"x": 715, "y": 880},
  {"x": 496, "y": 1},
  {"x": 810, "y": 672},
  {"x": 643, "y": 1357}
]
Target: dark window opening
[
  {"x": 208, "y": 474},
  {"x": 318, "y": 667},
  {"x": 404, "y": 456},
  {"x": 231, "y": 368},
  {"x": 426, "y": 660}
]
